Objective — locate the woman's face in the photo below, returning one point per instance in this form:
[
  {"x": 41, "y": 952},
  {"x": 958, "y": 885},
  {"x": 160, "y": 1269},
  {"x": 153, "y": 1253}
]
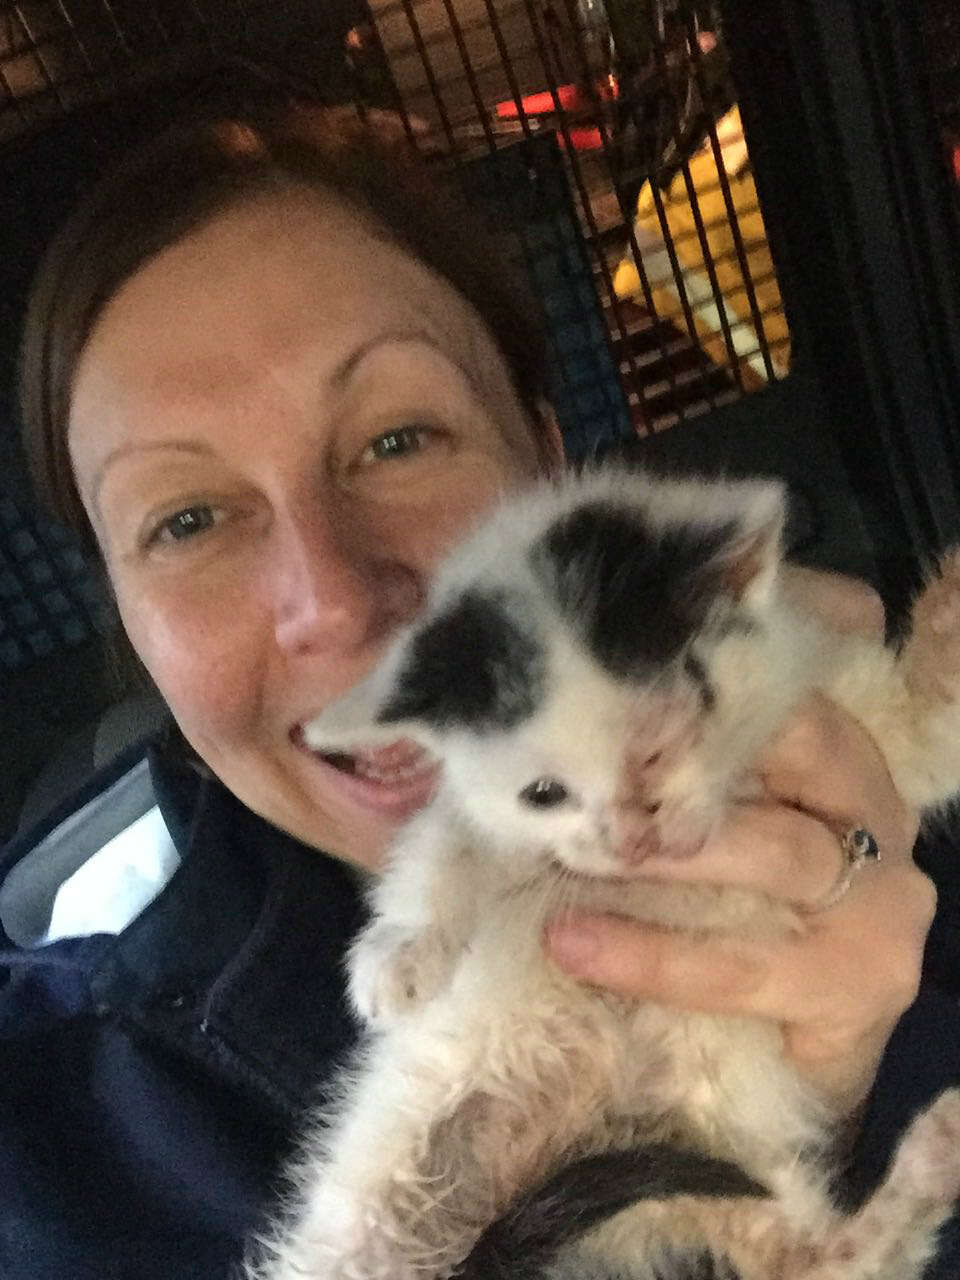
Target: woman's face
[{"x": 278, "y": 425}]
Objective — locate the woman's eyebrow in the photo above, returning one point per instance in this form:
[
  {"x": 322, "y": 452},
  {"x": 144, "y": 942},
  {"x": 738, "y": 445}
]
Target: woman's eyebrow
[
  {"x": 147, "y": 446},
  {"x": 339, "y": 378},
  {"x": 346, "y": 369}
]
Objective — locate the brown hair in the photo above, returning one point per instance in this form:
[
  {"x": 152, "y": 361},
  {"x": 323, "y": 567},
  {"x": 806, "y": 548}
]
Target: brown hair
[{"x": 194, "y": 172}]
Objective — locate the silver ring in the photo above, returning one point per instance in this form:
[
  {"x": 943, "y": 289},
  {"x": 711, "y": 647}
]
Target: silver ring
[{"x": 858, "y": 846}]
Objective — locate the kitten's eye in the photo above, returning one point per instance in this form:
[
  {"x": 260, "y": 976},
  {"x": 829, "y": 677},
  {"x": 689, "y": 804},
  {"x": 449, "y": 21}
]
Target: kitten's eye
[
  {"x": 545, "y": 793},
  {"x": 399, "y": 443}
]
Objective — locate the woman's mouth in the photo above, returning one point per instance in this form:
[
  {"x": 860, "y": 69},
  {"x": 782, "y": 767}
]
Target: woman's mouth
[{"x": 397, "y": 779}]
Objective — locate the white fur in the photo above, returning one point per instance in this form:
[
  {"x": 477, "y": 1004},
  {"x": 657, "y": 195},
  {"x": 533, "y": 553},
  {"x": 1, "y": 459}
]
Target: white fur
[{"x": 488, "y": 1069}]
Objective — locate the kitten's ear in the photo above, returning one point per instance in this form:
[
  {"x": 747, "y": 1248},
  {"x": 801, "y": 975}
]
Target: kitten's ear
[
  {"x": 749, "y": 562},
  {"x": 356, "y": 721}
]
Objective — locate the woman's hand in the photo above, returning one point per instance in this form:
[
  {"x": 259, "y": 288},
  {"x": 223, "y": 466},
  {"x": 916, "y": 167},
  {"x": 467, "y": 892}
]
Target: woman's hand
[{"x": 837, "y": 987}]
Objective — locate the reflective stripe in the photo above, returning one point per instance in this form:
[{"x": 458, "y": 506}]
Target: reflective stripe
[
  {"x": 27, "y": 895},
  {"x": 115, "y": 884}
]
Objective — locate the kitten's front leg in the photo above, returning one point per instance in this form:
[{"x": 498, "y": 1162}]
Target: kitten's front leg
[
  {"x": 424, "y": 907},
  {"x": 915, "y": 719},
  {"x": 930, "y": 666},
  {"x": 394, "y": 969}
]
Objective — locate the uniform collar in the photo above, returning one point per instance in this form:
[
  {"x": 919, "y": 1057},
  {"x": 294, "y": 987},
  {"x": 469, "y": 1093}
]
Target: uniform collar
[{"x": 238, "y": 962}]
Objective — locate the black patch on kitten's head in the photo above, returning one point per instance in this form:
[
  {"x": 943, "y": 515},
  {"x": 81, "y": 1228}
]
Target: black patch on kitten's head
[
  {"x": 471, "y": 666},
  {"x": 638, "y": 594}
]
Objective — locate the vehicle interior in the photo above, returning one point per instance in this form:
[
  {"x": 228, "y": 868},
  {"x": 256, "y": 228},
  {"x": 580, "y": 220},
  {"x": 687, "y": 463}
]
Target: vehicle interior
[{"x": 740, "y": 227}]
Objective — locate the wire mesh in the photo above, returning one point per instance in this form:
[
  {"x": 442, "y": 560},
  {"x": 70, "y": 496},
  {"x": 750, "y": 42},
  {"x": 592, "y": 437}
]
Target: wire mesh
[
  {"x": 50, "y": 597},
  {"x": 56, "y": 55},
  {"x": 636, "y": 93},
  {"x": 603, "y": 135}
]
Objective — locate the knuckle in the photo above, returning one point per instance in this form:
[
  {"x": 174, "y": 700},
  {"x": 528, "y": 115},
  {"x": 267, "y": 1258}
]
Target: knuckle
[
  {"x": 806, "y": 735},
  {"x": 925, "y": 896},
  {"x": 905, "y": 989},
  {"x": 913, "y": 898},
  {"x": 899, "y": 974},
  {"x": 821, "y": 730},
  {"x": 825, "y": 1044}
]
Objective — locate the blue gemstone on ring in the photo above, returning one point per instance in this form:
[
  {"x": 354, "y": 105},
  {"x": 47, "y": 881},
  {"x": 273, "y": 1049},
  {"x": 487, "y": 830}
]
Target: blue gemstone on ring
[{"x": 862, "y": 844}]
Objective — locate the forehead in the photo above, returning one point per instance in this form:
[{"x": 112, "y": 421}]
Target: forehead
[
  {"x": 272, "y": 294},
  {"x": 271, "y": 270}
]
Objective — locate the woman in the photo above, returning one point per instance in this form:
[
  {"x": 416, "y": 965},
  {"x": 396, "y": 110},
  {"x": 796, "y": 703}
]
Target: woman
[{"x": 270, "y": 382}]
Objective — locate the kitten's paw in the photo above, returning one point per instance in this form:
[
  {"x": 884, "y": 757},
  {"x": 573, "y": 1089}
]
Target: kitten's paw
[
  {"x": 927, "y": 1163},
  {"x": 394, "y": 970},
  {"x": 932, "y": 653}
]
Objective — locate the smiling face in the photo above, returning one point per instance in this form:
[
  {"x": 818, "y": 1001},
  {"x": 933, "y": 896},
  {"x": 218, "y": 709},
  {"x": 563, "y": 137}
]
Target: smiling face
[{"x": 278, "y": 426}]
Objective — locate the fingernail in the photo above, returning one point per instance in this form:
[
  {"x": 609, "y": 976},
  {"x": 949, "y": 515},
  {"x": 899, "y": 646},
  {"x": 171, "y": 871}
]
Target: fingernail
[{"x": 573, "y": 946}]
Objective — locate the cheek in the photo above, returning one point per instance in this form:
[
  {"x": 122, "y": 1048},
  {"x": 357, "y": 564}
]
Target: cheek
[
  {"x": 202, "y": 656},
  {"x": 480, "y": 479}
]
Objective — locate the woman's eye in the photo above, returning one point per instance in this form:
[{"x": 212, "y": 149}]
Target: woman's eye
[
  {"x": 398, "y": 443},
  {"x": 184, "y": 524},
  {"x": 545, "y": 793}
]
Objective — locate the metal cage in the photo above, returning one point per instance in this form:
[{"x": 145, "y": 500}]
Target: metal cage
[
  {"x": 605, "y": 136},
  {"x": 641, "y": 230}
]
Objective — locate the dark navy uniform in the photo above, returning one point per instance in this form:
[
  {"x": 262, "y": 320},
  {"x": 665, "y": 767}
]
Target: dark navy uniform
[{"x": 152, "y": 1083}]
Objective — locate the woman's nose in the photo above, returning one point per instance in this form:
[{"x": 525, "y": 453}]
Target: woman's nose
[{"x": 330, "y": 592}]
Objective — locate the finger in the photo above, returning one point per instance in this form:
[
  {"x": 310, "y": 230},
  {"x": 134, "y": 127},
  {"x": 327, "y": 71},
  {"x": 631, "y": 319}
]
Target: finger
[
  {"x": 846, "y": 604},
  {"x": 772, "y": 849},
  {"x": 685, "y": 970},
  {"x": 814, "y": 978},
  {"x": 825, "y": 762}
]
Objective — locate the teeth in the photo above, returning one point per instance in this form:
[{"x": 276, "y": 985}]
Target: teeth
[
  {"x": 393, "y": 777},
  {"x": 395, "y": 765},
  {"x": 398, "y": 755}
]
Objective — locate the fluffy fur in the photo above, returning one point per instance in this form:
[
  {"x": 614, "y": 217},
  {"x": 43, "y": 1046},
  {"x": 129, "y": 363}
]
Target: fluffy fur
[{"x": 598, "y": 668}]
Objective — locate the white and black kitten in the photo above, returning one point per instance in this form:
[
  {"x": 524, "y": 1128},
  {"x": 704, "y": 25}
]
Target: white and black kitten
[{"x": 597, "y": 668}]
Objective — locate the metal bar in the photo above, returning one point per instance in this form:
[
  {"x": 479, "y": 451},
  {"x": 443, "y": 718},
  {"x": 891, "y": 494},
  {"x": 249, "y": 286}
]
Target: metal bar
[
  {"x": 732, "y": 215},
  {"x": 384, "y": 61},
  {"x": 81, "y": 46},
  {"x": 8, "y": 50},
  {"x": 693, "y": 200},
  {"x": 666, "y": 234},
  {"x": 493, "y": 66},
  {"x": 467, "y": 25},
  {"x": 491, "y": 141},
  {"x": 628, "y": 215},
  {"x": 431, "y": 79},
  {"x": 37, "y": 54},
  {"x": 6, "y": 43},
  {"x": 118, "y": 29},
  {"x": 578, "y": 179}
]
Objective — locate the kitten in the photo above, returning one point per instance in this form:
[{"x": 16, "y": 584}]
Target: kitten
[{"x": 597, "y": 668}]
